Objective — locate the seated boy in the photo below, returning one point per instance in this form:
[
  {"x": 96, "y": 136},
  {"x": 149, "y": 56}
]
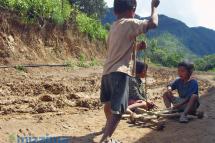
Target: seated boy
[
  {"x": 136, "y": 94},
  {"x": 187, "y": 87}
]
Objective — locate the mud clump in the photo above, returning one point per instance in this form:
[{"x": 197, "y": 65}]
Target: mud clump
[
  {"x": 6, "y": 110},
  {"x": 91, "y": 104},
  {"x": 47, "y": 98},
  {"x": 55, "y": 88},
  {"x": 73, "y": 96},
  {"x": 44, "y": 107}
]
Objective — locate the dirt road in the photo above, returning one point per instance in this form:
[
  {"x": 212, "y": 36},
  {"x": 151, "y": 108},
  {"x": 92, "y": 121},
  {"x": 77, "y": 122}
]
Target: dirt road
[{"x": 63, "y": 104}]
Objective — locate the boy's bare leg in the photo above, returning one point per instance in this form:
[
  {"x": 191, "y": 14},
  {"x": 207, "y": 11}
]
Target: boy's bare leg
[
  {"x": 107, "y": 111},
  {"x": 111, "y": 126},
  {"x": 128, "y": 111},
  {"x": 167, "y": 98},
  {"x": 135, "y": 105},
  {"x": 190, "y": 105}
]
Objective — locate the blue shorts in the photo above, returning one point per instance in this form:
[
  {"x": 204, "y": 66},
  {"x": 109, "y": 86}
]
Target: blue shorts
[{"x": 115, "y": 89}]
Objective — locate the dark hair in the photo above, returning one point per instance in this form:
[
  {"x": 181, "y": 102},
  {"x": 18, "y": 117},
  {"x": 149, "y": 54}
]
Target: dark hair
[
  {"x": 140, "y": 67},
  {"x": 121, "y": 6},
  {"x": 188, "y": 66}
]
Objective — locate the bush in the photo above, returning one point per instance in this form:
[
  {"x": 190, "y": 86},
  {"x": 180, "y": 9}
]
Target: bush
[
  {"x": 91, "y": 27},
  {"x": 206, "y": 63},
  {"x": 31, "y": 10},
  {"x": 58, "y": 11}
]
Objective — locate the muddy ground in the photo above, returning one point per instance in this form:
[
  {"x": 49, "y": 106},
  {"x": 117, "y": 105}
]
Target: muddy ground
[{"x": 64, "y": 103}]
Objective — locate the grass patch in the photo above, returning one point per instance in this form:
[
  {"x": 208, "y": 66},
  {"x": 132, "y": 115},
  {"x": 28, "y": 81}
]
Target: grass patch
[
  {"x": 21, "y": 68},
  {"x": 82, "y": 62},
  {"x": 213, "y": 70},
  {"x": 94, "y": 62},
  {"x": 70, "y": 64}
]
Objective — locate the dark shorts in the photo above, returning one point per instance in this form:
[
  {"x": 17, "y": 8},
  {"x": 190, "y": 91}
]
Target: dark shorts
[{"x": 115, "y": 89}]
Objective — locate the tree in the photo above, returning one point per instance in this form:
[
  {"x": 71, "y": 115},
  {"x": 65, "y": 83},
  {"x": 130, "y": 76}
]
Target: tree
[
  {"x": 95, "y": 8},
  {"x": 205, "y": 63}
]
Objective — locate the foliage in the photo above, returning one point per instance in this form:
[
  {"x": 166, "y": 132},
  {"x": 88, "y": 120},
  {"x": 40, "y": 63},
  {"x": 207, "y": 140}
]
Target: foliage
[
  {"x": 31, "y": 10},
  {"x": 58, "y": 11},
  {"x": 21, "y": 68},
  {"x": 90, "y": 26},
  {"x": 94, "y": 62},
  {"x": 206, "y": 63},
  {"x": 165, "y": 50},
  {"x": 70, "y": 64},
  {"x": 82, "y": 61},
  {"x": 96, "y": 8}
]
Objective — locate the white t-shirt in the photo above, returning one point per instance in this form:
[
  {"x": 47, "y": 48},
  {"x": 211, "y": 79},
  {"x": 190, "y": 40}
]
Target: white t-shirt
[{"x": 120, "y": 42}]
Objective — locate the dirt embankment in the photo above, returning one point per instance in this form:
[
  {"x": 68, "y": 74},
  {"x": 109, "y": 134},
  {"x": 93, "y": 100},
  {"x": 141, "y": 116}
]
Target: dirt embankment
[{"x": 32, "y": 43}]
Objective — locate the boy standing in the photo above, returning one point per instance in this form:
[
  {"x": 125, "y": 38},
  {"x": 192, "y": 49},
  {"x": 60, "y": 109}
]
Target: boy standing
[{"x": 119, "y": 66}]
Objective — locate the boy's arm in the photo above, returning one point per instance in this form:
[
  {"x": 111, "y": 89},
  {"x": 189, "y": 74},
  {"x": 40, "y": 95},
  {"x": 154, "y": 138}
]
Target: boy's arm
[
  {"x": 153, "y": 22},
  {"x": 142, "y": 26},
  {"x": 141, "y": 46},
  {"x": 172, "y": 86}
]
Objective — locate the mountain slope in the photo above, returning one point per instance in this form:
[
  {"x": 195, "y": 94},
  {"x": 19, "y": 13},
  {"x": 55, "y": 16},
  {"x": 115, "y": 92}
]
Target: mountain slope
[{"x": 199, "y": 40}]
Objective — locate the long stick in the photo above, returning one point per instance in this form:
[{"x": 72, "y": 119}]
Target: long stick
[
  {"x": 134, "y": 56},
  {"x": 159, "y": 113},
  {"x": 145, "y": 77},
  {"x": 34, "y": 65}
]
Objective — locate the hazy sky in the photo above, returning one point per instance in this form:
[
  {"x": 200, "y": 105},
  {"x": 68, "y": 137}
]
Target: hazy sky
[{"x": 192, "y": 12}]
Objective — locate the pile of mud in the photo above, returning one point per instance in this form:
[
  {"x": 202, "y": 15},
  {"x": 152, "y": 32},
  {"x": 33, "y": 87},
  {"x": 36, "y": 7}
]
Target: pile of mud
[{"x": 23, "y": 94}]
